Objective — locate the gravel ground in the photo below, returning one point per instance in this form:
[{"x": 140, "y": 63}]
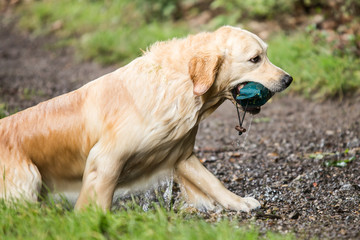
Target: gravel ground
[
  {"x": 289, "y": 161},
  {"x": 300, "y": 158}
]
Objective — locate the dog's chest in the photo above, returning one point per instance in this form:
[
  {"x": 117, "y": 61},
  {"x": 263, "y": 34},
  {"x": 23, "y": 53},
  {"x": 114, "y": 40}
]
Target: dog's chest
[{"x": 162, "y": 156}]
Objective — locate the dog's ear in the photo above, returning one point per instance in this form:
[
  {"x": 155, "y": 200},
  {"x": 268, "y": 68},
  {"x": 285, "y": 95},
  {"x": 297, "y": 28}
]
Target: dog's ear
[{"x": 203, "y": 71}]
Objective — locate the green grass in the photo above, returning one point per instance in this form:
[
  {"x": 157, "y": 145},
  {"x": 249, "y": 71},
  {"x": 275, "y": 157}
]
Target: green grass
[
  {"x": 51, "y": 221},
  {"x": 107, "y": 31},
  {"x": 122, "y": 45},
  {"x": 318, "y": 72}
]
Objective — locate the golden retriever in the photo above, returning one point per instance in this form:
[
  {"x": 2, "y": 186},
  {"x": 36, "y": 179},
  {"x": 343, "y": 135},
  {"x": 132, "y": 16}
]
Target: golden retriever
[{"x": 138, "y": 122}]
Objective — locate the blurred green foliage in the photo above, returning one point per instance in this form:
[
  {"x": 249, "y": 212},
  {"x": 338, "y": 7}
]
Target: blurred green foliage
[
  {"x": 158, "y": 9},
  {"x": 317, "y": 71},
  {"x": 270, "y": 9},
  {"x": 322, "y": 55},
  {"x": 255, "y": 8},
  {"x": 107, "y": 31},
  {"x": 3, "y": 110}
]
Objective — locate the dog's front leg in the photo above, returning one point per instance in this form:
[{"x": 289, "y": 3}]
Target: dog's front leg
[
  {"x": 100, "y": 179},
  {"x": 194, "y": 195},
  {"x": 203, "y": 182}
]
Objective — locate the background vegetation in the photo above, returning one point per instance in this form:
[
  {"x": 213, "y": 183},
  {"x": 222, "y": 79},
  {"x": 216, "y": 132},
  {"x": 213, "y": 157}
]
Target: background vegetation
[{"x": 317, "y": 41}]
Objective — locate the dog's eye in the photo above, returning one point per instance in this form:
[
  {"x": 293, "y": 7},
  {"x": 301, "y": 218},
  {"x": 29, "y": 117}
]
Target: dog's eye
[{"x": 255, "y": 59}]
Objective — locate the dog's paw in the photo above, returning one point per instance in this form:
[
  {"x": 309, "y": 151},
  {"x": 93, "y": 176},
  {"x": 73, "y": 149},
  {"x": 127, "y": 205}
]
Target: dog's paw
[
  {"x": 252, "y": 203},
  {"x": 244, "y": 204}
]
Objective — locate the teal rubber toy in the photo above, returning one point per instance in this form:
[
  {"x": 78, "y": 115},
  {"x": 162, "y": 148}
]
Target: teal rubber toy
[{"x": 253, "y": 95}]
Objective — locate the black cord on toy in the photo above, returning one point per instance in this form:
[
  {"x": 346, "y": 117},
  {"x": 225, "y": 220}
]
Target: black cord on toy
[{"x": 240, "y": 128}]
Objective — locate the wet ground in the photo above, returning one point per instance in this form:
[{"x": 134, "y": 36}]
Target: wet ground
[{"x": 299, "y": 158}]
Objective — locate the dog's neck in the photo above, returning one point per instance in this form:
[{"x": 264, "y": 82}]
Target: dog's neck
[{"x": 209, "y": 104}]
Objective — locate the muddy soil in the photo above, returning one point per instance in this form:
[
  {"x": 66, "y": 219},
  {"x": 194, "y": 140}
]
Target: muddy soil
[{"x": 299, "y": 158}]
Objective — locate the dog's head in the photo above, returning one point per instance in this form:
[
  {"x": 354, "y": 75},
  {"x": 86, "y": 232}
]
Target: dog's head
[{"x": 232, "y": 58}]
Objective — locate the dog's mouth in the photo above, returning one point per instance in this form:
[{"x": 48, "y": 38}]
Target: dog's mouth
[
  {"x": 250, "y": 96},
  {"x": 250, "y": 109}
]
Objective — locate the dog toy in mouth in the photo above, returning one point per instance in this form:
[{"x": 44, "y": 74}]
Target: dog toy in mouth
[{"x": 251, "y": 95}]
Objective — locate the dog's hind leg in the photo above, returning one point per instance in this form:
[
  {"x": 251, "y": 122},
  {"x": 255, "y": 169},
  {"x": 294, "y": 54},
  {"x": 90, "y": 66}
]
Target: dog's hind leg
[
  {"x": 194, "y": 172},
  {"x": 20, "y": 180}
]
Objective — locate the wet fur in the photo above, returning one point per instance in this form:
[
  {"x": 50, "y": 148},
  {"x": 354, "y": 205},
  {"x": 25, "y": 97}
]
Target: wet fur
[{"x": 137, "y": 122}]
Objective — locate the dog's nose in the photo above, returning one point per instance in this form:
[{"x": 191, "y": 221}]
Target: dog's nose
[{"x": 286, "y": 80}]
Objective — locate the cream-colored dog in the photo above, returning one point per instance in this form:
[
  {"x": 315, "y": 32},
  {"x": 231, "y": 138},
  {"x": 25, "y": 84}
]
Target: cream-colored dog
[{"x": 127, "y": 127}]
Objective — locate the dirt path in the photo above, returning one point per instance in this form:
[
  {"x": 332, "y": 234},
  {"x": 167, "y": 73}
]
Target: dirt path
[
  {"x": 31, "y": 70},
  {"x": 281, "y": 160}
]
